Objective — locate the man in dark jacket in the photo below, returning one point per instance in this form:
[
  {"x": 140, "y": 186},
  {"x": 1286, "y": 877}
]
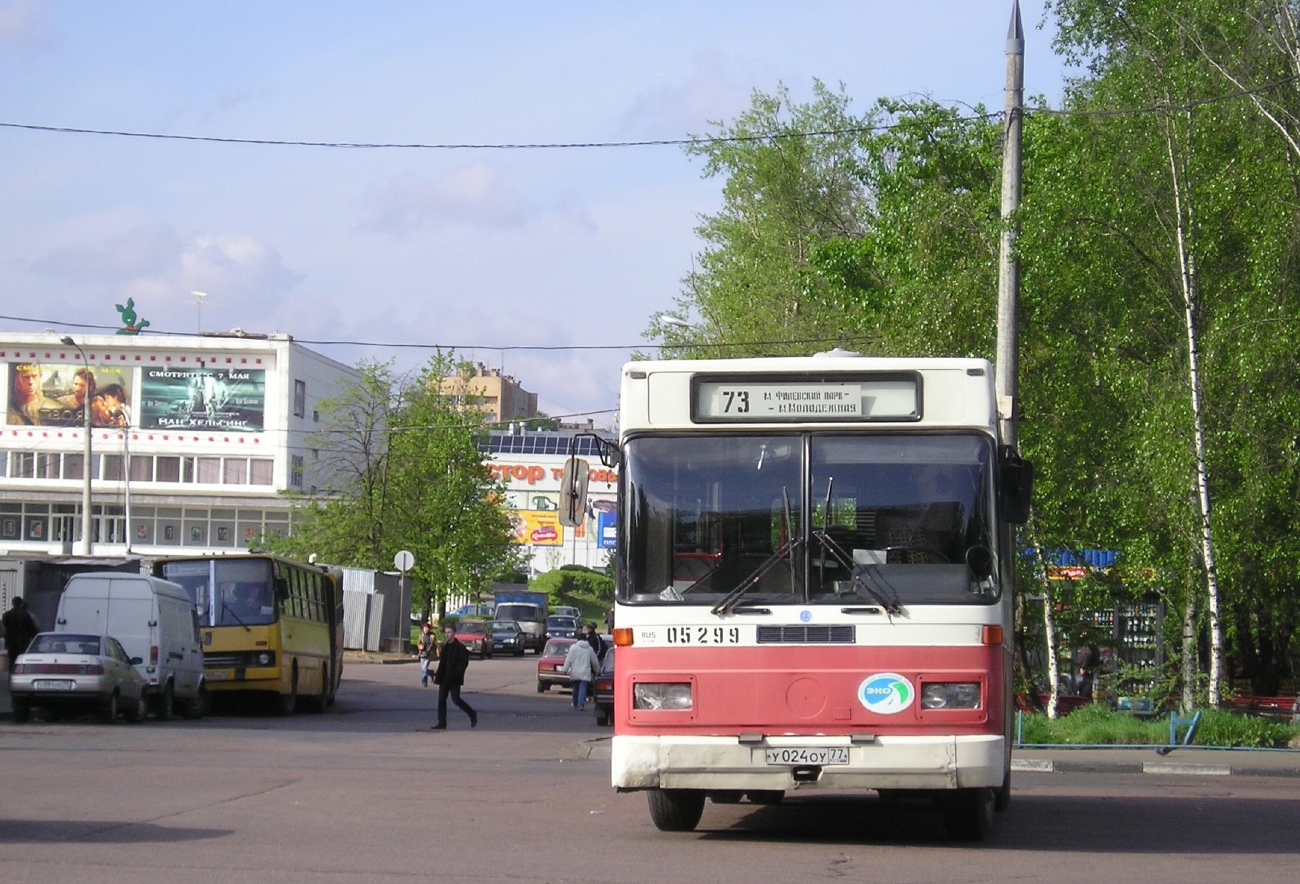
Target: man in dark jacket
[
  {"x": 450, "y": 675},
  {"x": 597, "y": 643},
  {"x": 20, "y": 629}
]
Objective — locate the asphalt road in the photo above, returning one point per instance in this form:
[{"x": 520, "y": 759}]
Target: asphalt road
[{"x": 366, "y": 792}]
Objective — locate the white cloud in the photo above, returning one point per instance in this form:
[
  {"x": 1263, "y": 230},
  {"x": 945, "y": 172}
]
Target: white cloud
[
  {"x": 688, "y": 106},
  {"x": 475, "y": 195},
  {"x": 25, "y": 23},
  {"x": 246, "y": 279}
]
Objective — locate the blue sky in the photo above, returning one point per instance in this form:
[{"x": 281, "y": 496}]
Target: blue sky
[{"x": 486, "y": 251}]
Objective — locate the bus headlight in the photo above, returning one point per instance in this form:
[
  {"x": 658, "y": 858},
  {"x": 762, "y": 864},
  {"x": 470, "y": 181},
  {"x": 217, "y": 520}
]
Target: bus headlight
[
  {"x": 951, "y": 695},
  {"x": 266, "y": 658},
  {"x": 669, "y": 695}
]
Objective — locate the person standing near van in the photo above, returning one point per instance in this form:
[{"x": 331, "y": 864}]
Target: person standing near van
[
  {"x": 428, "y": 652},
  {"x": 449, "y": 676},
  {"x": 20, "y": 628}
]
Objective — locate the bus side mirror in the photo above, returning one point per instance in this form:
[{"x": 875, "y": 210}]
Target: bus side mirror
[
  {"x": 1015, "y": 486},
  {"x": 573, "y": 491}
]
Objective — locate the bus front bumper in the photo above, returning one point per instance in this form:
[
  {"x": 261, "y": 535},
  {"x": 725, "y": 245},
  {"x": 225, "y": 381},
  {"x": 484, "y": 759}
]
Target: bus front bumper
[{"x": 725, "y": 764}]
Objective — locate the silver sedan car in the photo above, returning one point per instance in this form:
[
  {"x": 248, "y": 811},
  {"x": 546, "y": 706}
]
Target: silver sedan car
[{"x": 65, "y": 672}]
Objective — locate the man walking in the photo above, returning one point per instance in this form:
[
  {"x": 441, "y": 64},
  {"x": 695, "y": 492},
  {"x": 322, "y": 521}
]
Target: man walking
[
  {"x": 20, "y": 628},
  {"x": 450, "y": 675}
]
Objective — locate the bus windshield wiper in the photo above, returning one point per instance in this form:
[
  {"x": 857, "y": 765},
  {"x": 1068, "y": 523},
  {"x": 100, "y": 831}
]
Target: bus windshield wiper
[
  {"x": 732, "y": 599},
  {"x": 231, "y": 612},
  {"x": 865, "y": 577}
]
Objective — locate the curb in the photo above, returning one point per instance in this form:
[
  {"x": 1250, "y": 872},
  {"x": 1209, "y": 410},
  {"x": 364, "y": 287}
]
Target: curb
[{"x": 1160, "y": 768}]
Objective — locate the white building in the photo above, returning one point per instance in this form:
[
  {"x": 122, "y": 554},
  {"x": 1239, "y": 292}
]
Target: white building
[{"x": 214, "y": 426}]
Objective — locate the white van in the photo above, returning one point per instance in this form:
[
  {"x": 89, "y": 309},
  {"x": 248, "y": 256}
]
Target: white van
[{"x": 155, "y": 620}]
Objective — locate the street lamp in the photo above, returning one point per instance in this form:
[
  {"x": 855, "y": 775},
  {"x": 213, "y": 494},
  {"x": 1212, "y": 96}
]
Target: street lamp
[
  {"x": 84, "y": 547},
  {"x": 126, "y": 475}
]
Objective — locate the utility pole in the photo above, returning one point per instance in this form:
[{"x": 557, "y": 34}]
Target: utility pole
[{"x": 1008, "y": 348}]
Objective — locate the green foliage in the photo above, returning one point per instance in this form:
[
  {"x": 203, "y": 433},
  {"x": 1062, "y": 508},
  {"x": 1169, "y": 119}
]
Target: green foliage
[
  {"x": 1219, "y": 728},
  {"x": 588, "y": 590},
  {"x": 1096, "y": 725}
]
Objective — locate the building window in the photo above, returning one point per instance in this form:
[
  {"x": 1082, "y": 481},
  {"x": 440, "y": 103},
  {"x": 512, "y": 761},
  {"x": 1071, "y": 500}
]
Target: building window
[
  {"x": 209, "y": 470},
  {"x": 299, "y": 398},
  {"x": 295, "y": 471},
  {"x": 169, "y": 469},
  {"x": 113, "y": 467},
  {"x": 261, "y": 471},
  {"x": 24, "y": 465},
  {"x": 235, "y": 471},
  {"x": 47, "y": 466}
]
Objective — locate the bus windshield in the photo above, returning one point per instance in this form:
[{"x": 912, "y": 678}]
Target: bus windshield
[
  {"x": 834, "y": 518},
  {"x": 227, "y": 592}
]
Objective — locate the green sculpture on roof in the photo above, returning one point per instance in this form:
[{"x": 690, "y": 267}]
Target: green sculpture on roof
[{"x": 132, "y": 324}]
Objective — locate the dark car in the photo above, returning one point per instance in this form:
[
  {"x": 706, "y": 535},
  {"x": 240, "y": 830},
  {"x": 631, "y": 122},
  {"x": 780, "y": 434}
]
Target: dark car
[
  {"x": 602, "y": 692},
  {"x": 550, "y": 663},
  {"x": 507, "y": 637},
  {"x": 65, "y": 672},
  {"x": 559, "y": 626},
  {"x": 476, "y": 638}
]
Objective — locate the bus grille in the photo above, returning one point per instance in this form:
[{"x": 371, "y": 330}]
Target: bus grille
[
  {"x": 806, "y": 635},
  {"x": 224, "y": 661}
]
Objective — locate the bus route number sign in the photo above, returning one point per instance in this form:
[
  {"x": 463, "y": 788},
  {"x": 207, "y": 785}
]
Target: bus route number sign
[{"x": 741, "y": 400}]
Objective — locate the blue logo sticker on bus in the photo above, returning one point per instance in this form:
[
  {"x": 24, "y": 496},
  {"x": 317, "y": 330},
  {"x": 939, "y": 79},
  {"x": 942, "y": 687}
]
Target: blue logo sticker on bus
[
  {"x": 805, "y": 616},
  {"x": 886, "y": 693}
]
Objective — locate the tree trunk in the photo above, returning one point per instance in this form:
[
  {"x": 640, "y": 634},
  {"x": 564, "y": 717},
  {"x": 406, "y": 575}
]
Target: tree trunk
[{"x": 1188, "y": 278}]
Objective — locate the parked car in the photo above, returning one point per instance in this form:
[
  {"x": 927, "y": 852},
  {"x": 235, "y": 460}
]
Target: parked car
[
  {"x": 475, "y": 636},
  {"x": 602, "y": 691},
  {"x": 562, "y": 627},
  {"x": 64, "y": 672},
  {"x": 567, "y": 611},
  {"x": 549, "y": 663},
  {"x": 507, "y": 636}
]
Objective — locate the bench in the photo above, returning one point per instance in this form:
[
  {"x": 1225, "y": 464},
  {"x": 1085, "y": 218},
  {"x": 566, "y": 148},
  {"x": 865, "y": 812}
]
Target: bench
[{"x": 1283, "y": 706}]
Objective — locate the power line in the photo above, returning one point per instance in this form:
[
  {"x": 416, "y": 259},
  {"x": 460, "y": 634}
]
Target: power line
[
  {"x": 402, "y": 345},
  {"x": 654, "y": 142}
]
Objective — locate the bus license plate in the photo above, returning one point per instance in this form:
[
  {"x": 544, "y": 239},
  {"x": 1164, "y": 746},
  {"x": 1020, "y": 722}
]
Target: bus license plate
[
  {"x": 52, "y": 684},
  {"x": 809, "y": 755}
]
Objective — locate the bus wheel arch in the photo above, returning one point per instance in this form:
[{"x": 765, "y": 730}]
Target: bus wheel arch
[
  {"x": 287, "y": 703},
  {"x": 320, "y": 700}
]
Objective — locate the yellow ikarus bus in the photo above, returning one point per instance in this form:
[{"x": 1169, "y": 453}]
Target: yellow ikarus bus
[{"x": 269, "y": 625}]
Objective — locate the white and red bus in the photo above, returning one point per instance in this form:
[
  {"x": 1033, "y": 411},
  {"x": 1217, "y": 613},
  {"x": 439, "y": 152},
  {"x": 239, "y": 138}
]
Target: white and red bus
[{"x": 815, "y": 584}]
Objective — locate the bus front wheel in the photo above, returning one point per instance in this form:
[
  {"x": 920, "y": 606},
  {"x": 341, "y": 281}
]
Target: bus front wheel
[
  {"x": 968, "y": 814},
  {"x": 676, "y": 810}
]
